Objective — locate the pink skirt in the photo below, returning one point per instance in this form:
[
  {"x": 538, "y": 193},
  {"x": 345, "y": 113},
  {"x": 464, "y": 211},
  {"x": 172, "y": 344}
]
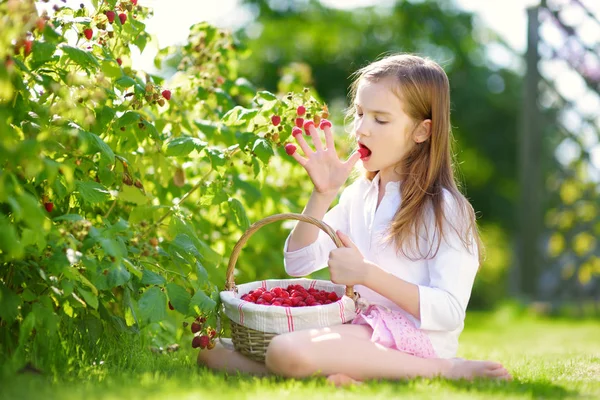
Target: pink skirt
[{"x": 394, "y": 330}]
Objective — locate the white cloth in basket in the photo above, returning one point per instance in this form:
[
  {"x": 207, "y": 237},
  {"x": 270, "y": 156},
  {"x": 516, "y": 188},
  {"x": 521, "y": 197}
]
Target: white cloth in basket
[{"x": 277, "y": 319}]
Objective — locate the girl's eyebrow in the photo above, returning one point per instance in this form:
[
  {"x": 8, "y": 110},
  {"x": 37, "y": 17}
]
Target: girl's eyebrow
[{"x": 374, "y": 111}]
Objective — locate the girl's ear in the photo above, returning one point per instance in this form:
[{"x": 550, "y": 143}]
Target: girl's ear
[{"x": 423, "y": 131}]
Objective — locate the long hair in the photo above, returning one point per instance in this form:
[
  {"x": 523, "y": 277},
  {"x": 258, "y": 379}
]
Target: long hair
[{"x": 428, "y": 188}]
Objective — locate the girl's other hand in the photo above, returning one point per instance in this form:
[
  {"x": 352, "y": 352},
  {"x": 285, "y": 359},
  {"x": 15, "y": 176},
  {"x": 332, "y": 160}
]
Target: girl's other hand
[{"x": 326, "y": 171}]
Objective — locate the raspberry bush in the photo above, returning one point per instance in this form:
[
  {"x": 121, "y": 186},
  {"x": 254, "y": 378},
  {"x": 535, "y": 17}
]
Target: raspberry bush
[{"x": 121, "y": 193}]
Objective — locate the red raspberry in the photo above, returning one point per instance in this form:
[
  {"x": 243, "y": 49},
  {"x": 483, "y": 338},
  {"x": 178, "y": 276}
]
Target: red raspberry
[
  {"x": 277, "y": 291},
  {"x": 324, "y": 123},
  {"x": 332, "y": 296},
  {"x": 290, "y": 149},
  {"x": 88, "y": 33},
  {"x": 196, "y": 342},
  {"x": 363, "y": 152},
  {"x": 111, "y": 16},
  {"x": 119, "y": 61},
  {"x": 49, "y": 207},
  {"x": 301, "y": 304},
  {"x": 122, "y": 18},
  {"x": 27, "y": 45},
  {"x": 275, "y": 119},
  {"x": 295, "y": 301},
  {"x": 267, "y": 297},
  {"x": 166, "y": 94},
  {"x": 204, "y": 341},
  {"x": 299, "y": 122},
  {"x": 134, "y": 2},
  {"x": 276, "y": 303},
  {"x": 301, "y": 110},
  {"x": 196, "y": 327},
  {"x": 296, "y": 131},
  {"x": 307, "y": 125}
]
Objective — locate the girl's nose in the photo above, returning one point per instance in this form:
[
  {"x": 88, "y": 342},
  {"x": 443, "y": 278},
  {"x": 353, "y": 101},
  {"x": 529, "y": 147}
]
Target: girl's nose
[{"x": 360, "y": 128}]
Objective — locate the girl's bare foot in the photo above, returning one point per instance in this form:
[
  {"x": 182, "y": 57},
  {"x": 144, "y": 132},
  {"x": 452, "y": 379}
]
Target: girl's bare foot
[
  {"x": 341, "y": 380},
  {"x": 468, "y": 369}
]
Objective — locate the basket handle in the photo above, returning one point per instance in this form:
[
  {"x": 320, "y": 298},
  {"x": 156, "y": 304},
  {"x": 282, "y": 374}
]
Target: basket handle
[{"x": 230, "y": 284}]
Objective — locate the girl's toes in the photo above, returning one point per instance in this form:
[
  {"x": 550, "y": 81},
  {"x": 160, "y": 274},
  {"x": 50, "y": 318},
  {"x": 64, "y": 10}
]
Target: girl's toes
[{"x": 341, "y": 380}]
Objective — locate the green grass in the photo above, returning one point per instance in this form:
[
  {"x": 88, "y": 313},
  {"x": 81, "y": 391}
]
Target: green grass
[{"x": 557, "y": 358}]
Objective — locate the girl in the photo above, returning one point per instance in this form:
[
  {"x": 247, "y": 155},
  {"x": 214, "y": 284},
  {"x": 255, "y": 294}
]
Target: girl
[{"x": 411, "y": 241}]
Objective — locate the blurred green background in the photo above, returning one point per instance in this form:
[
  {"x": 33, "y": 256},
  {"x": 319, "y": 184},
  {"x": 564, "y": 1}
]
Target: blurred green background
[{"x": 523, "y": 116}]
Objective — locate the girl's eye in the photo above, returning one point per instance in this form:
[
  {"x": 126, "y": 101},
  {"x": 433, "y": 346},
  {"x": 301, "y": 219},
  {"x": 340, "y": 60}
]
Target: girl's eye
[{"x": 380, "y": 122}]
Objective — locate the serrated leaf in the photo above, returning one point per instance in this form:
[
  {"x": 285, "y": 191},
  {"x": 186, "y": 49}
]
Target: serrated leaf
[
  {"x": 128, "y": 118},
  {"x": 97, "y": 144},
  {"x": 125, "y": 82},
  {"x": 201, "y": 304},
  {"x": 217, "y": 158},
  {"x": 80, "y": 57},
  {"x": 152, "y": 305},
  {"x": 183, "y": 145},
  {"x": 92, "y": 192},
  {"x": 239, "y": 115},
  {"x": 241, "y": 219},
  {"x": 118, "y": 276},
  {"x": 263, "y": 150},
  {"x": 179, "y": 297},
  {"x": 151, "y": 278},
  {"x": 265, "y": 94},
  {"x": 90, "y": 299}
]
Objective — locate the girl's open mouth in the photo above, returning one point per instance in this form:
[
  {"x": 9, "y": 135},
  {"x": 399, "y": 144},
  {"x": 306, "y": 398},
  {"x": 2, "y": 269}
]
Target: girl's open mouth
[{"x": 365, "y": 152}]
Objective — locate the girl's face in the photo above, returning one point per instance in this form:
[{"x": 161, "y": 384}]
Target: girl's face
[{"x": 381, "y": 125}]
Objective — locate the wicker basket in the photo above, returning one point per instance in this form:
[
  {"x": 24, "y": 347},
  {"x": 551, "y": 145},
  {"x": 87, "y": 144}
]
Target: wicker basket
[{"x": 253, "y": 343}]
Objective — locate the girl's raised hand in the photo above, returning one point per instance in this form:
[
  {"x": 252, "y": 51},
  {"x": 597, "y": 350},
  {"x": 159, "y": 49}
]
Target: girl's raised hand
[{"x": 327, "y": 172}]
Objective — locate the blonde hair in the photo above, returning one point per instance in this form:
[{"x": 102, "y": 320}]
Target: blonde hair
[{"x": 427, "y": 170}]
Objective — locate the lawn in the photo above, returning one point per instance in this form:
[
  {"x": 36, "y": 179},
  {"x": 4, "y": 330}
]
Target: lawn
[{"x": 549, "y": 358}]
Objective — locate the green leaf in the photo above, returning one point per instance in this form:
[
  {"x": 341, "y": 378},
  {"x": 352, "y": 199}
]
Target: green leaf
[
  {"x": 266, "y": 95},
  {"x": 201, "y": 304},
  {"x": 134, "y": 195},
  {"x": 179, "y": 297},
  {"x": 97, "y": 145},
  {"x": 84, "y": 59},
  {"x": 90, "y": 299},
  {"x": 183, "y": 145},
  {"x": 92, "y": 192},
  {"x": 41, "y": 53},
  {"x": 111, "y": 69},
  {"x": 32, "y": 212},
  {"x": 151, "y": 278},
  {"x": 10, "y": 305},
  {"x": 125, "y": 82},
  {"x": 128, "y": 118},
  {"x": 241, "y": 219},
  {"x": 118, "y": 276},
  {"x": 152, "y": 305},
  {"x": 263, "y": 150},
  {"x": 9, "y": 241},
  {"x": 217, "y": 158},
  {"x": 239, "y": 115}
]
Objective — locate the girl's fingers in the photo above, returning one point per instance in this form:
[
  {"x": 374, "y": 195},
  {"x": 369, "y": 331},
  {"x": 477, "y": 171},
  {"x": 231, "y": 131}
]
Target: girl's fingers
[
  {"x": 300, "y": 139},
  {"x": 328, "y": 136},
  {"x": 290, "y": 149},
  {"x": 353, "y": 159},
  {"x": 314, "y": 134}
]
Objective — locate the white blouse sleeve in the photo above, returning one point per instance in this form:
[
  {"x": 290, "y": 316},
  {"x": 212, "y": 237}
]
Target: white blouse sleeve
[
  {"x": 443, "y": 302},
  {"x": 314, "y": 257}
]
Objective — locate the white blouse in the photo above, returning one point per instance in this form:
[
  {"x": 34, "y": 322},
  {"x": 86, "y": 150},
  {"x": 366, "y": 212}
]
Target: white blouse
[{"x": 445, "y": 282}]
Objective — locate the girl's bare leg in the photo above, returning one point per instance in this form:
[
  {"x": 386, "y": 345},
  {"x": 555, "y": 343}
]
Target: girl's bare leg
[
  {"x": 346, "y": 350},
  {"x": 228, "y": 360}
]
